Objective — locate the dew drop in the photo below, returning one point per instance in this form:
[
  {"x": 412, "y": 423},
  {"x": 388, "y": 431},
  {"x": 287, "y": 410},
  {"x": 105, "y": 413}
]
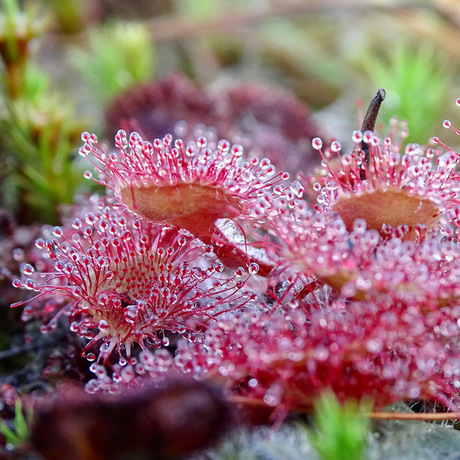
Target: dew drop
[
  {"x": 359, "y": 226},
  {"x": 297, "y": 189},
  {"x": 26, "y": 313},
  {"x": 201, "y": 142},
  {"x": 16, "y": 283},
  {"x": 92, "y": 386},
  {"x": 374, "y": 346},
  {"x": 237, "y": 150},
  {"x": 336, "y": 146},
  {"x": 316, "y": 187},
  {"x": 57, "y": 232},
  {"x": 368, "y": 136},
  {"x": 223, "y": 146},
  {"x": 40, "y": 243},
  {"x": 317, "y": 143},
  {"x": 357, "y": 136},
  {"x": 29, "y": 284},
  {"x": 83, "y": 151},
  {"x": 180, "y": 128},
  {"x": 253, "y": 268},
  {"x": 27, "y": 270},
  {"x": 285, "y": 175},
  {"x": 18, "y": 254},
  {"x": 272, "y": 396},
  {"x": 93, "y": 367}
]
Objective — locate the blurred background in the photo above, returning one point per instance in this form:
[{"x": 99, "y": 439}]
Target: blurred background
[{"x": 99, "y": 65}]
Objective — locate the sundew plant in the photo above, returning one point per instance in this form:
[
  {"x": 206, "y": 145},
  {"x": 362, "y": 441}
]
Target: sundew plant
[
  {"x": 201, "y": 260},
  {"x": 203, "y": 255}
]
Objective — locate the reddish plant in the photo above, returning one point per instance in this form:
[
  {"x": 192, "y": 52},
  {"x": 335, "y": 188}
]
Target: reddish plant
[
  {"x": 124, "y": 280},
  {"x": 188, "y": 186},
  {"x": 359, "y": 291},
  {"x": 361, "y": 264},
  {"x": 387, "y": 189},
  {"x": 385, "y": 351},
  {"x": 192, "y": 187}
]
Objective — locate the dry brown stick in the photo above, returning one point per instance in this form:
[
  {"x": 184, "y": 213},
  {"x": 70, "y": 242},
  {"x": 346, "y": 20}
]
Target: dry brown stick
[
  {"x": 425, "y": 417},
  {"x": 372, "y": 112},
  {"x": 369, "y": 125}
]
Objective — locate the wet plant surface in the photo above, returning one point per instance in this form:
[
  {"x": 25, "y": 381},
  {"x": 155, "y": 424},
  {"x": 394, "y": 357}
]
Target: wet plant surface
[{"x": 210, "y": 248}]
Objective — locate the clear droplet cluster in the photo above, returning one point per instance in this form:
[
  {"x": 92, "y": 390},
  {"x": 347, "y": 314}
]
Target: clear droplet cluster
[
  {"x": 285, "y": 361},
  {"x": 291, "y": 298},
  {"x": 128, "y": 280},
  {"x": 419, "y": 172},
  {"x": 167, "y": 162},
  {"x": 361, "y": 264}
]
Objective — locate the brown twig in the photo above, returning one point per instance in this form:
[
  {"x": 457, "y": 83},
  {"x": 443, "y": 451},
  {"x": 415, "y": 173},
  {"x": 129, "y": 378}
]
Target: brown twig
[
  {"x": 414, "y": 416},
  {"x": 426, "y": 417},
  {"x": 372, "y": 112},
  {"x": 369, "y": 125}
]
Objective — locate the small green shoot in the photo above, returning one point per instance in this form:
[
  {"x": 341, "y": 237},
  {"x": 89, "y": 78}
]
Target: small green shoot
[
  {"x": 341, "y": 430},
  {"x": 16, "y": 437},
  {"x": 69, "y": 14},
  {"x": 17, "y": 29},
  {"x": 417, "y": 83},
  {"x": 41, "y": 134},
  {"x": 121, "y": 55}
]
